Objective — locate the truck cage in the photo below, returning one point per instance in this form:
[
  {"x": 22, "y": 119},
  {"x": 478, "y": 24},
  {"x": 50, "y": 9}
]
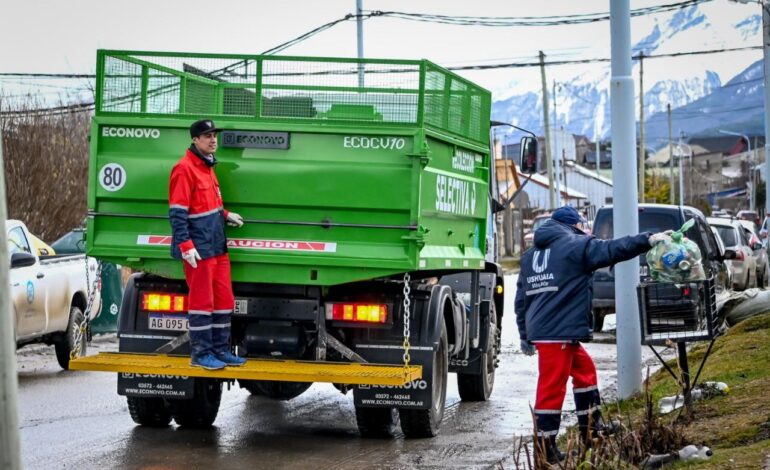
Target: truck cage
[{"x": 300, "y": 90}]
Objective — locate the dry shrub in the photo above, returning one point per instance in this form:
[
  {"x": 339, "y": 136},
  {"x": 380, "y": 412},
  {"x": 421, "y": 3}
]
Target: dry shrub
[{"x": 46, "y": 165}]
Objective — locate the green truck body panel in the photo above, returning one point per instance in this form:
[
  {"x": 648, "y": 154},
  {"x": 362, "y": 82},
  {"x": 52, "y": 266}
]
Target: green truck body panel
[{"x": 338, "y": 182}]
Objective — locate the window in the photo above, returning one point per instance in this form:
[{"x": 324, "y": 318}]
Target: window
[
  {"x": 17, "y": 242},
  {"x": 728, "y": 235},
  {"x": 648, "y": 222}
]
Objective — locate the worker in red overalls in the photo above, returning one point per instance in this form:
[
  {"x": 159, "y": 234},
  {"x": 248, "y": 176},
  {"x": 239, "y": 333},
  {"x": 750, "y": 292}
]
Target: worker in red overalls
[{"x": 198, "y": 227}]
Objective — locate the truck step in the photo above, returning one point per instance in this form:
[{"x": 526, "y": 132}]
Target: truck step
[{"x": 254, "y": 369}]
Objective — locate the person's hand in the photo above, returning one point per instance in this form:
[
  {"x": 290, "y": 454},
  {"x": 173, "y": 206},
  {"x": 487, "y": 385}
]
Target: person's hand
[
  {"x": 527, "y": 348},
  {"x": 191, "y": 256},
  {"x": 660, "y": 237},
  {"x": 234, "y": 220}
]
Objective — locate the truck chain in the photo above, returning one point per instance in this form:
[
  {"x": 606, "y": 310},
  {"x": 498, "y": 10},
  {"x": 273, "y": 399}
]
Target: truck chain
[
  {"x": 91, "y": 290},
  {"x": 407, "y": 325}
]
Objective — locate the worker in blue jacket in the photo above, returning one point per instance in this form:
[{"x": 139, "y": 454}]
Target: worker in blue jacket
[{"x": 553, "y": 313}]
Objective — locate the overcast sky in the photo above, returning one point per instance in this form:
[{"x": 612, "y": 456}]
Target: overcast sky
[{"x": 62, "y": 36}]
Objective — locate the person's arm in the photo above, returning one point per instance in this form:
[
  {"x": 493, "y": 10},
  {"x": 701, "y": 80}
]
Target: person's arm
[
  {"x": 520, "y": 305},
  {"x": 603, "y": 253},
  {"x": 179, "y": 197}
]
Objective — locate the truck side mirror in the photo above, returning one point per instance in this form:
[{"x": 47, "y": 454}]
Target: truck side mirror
[
  {"x": 20, "y": 260},
  {"x": 528, "y": 155}
]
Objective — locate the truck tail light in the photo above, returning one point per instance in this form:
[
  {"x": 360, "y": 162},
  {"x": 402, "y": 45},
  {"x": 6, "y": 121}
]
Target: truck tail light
[
  {"x": 162, "y": 302},
  {"x": 357, "y": 312}
]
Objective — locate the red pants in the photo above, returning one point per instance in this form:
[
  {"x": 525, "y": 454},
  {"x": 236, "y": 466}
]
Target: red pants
[
  {"x": 209, "y": 305},
  {"x": 556, "y": 363}
]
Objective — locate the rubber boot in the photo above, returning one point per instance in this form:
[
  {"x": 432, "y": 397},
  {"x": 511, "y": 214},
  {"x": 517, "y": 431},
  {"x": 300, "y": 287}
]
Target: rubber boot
[{"x": 547, "y": 448}]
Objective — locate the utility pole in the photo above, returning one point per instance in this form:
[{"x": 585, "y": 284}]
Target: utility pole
[
  {"x": 624, "y": 194},
  {"x": 10, "y": 447},
  {"x": 548, "y": 154},
  {"x": 557, "y": 162},
  {"x": 766, "y": 51},
  {"x": 360, "y": 40},
  {"x": 641, "y": 127},
  {"x": 670, "y": 157}
]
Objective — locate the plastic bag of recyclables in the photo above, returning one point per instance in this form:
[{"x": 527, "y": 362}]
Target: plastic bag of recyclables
[{"x": 677, "y": 259}]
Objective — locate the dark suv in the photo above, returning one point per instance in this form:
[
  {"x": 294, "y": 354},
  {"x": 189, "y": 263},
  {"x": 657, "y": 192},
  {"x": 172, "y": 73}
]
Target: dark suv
[{"x": 655, "y": 218}]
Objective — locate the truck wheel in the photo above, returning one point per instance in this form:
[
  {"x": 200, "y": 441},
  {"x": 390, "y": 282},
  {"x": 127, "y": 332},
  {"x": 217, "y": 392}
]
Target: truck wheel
[
  {"x": 478, "y": 387},
  {"x": 377, "y": 422},
  {"x": 598, "y": 315},
  {"x": 274, "y": 389},
  {"x": 151, "y": 412},
  {"x": 64, "y": 344},
  {"x": 200, "y": 411},
  {"x": 425, "y": 423}
]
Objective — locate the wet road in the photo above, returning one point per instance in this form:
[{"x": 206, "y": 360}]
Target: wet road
[{"x": 76, "y": 420}]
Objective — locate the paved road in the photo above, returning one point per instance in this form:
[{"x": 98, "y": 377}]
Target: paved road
[{"x": 76, "y": 420}]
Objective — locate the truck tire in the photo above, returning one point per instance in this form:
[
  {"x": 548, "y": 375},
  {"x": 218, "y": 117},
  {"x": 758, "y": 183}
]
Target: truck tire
[
  {"x": 425, "y": 423},
  {"x": 200, "y": 411},
  {"x": 598, "y": 315},
  {"x": 63, "y": 345},
  {"x": 377, "y": 422},
  {"x": 152, "y": 412},
  {"x": 478, "y": 387},
  {"x": 274, "y": 389}
]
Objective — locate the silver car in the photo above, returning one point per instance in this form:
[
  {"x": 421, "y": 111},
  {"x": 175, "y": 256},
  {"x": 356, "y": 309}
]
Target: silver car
[
  {"x": 734, "y": 237},
  {"x": 760, "y": 252}
]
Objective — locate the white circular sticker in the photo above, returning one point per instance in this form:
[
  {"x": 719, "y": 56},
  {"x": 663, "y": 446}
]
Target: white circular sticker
[{"x": 112, "y": 177}]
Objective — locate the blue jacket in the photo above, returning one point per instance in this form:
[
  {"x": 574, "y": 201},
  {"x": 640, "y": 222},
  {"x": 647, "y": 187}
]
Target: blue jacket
[{"x": 555, "y": 286}]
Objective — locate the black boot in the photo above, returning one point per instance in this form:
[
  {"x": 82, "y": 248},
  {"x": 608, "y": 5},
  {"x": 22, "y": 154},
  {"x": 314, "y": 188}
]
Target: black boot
[{"x": 546, "y": 447}]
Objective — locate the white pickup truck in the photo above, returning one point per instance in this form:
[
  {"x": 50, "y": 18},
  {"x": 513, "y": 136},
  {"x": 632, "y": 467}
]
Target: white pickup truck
[{"x": 49, "y": 294}]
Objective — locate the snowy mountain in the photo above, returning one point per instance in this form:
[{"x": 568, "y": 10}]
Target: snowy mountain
[{"x": 582, "y": 97}]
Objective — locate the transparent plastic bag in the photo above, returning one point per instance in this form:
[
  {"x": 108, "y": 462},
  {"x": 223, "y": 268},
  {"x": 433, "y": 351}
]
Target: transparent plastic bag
[{"x": 677, "y": 259}]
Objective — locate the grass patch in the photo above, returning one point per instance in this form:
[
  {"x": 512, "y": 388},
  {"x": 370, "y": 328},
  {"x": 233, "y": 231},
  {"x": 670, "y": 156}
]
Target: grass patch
[{"x": 735, "y": 426}]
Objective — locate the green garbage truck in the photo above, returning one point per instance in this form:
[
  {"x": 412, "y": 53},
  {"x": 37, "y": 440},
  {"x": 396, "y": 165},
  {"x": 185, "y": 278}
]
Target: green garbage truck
[{"x": 369, "y": 235}]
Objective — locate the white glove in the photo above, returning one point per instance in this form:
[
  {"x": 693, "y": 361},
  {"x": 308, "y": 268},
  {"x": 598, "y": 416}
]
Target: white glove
[
  {"x": 191, "y": 256},
  {"x": 234, "y": 220},
  {"x": 660, "y": 237}
]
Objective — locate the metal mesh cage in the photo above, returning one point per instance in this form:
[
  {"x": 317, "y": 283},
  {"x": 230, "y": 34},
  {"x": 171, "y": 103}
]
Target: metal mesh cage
[
  {"x": 344, "y": 91},
  {"x": 677, "y": 312}
]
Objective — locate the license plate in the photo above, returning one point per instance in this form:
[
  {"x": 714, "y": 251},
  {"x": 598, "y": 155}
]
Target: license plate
[
  {"x": 241, "y": 306},
  {"x": 168, "y": 322}
]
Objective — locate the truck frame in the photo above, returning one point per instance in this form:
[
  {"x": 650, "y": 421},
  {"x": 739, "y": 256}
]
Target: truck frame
[{"x": 369, "y": 236}]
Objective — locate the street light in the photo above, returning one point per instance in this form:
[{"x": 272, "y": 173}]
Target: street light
[{"x": 752, "y": 205}]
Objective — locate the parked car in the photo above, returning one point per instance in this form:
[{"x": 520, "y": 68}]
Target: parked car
[
  {"x": 734, "y": 237},
  {"x": 753, "y": 216},
  {"x": 73, "y": 242},
  {"x": 656, "y": 218},
  {"x": 49, "y": 294},
  {"x": 760, "y": 252},
  {"x": 763, "y": 230},
  {"x": 529, "y": 237}
]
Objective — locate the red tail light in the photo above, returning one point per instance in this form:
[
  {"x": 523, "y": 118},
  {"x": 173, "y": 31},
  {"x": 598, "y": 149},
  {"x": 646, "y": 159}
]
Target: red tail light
[
  {"x": 357, "y": 312},
  {"x": 163, "y": 302},
  {"x": 739, "y": 255}
]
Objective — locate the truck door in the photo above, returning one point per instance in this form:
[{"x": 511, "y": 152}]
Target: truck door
[{"x": 27, "y": 288}]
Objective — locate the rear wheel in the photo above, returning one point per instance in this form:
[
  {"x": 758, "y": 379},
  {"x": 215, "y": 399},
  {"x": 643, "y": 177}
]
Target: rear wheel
[
  {"x": 200, "y": 411},
  {"x": 478, "y": 387},
  {"x": 425, "y": 423},
  {"x": 65, "y": 343},
  {"x": 274, "y": 389},
  {"x": 151, "y": 412},
  {"x": 377, "y": 422}
]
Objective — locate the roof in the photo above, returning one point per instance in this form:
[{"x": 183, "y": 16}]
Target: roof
[
  {"x": 542, "y": 181},
  {"x": 589, "y": 173},
  {"x": 721, "y": 221}
]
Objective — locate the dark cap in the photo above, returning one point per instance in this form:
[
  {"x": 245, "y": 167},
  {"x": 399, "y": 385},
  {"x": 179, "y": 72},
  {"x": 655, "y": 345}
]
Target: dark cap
[
  {"x": 201, "y": 127},
  {"x": 566, "y": 215}
]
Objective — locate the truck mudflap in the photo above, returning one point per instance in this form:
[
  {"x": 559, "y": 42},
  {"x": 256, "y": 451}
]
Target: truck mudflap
[
  {"x": 415, "y": 394},
  {"x": 152, "y": 385}
]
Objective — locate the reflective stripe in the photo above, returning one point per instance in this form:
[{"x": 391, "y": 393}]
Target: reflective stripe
[
  {"x": 198, "y": 312},
  {"x": 177, "y": 206},
  {"x": 204, "y": 214},
  {"x": 585, "y": 389},
  {"x": 223, "y": 311},
  {"x": 537, "y": 291},
  {"x": 547, "y": 433},
  {"x": 221, "y": 325},
  {"x": 547, "y": 412},
  {"x": 199, "y": 328},
  {"x": 589, "y": 410}
]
